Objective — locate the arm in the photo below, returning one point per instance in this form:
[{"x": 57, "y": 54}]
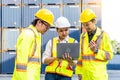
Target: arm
[
  {"x": 24, "y": 49},
  {"x": 105, "y": 51},
  {"x": 46, "y": 58}
]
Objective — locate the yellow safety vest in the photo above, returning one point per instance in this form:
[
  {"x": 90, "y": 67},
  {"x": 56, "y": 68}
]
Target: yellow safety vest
[
  {"x": 62, "y": 67},
  {"x": 92, "y": 65},
  {"x": 27, "y": 62}
]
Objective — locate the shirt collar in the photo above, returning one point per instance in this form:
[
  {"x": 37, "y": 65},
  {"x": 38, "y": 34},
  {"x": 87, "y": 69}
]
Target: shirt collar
[
  {"x": 93, "y": 32},
  {"x": 66, "y": 39}
]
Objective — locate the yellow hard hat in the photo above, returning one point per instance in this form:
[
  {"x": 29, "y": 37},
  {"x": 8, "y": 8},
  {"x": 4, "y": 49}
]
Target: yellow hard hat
[
  {"x": 87, "y": 15},
  {"x": 45, "y": 15}
]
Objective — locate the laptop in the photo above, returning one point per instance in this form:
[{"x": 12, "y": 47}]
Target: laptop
[{"x": 71, "y": 48}]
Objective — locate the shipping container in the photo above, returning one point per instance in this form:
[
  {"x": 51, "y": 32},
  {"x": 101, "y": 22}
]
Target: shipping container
[
  {"x": 0, "y": 50},
  {"x": 36, "y": 2},
  {"x": 9, "y": 38},
  {"x": 8, "y": 60},
  {"x": 72, "y": 12},
  {"x": 11, "y": 16},
  {"x": 114, "y": 64},
  {"x": 47, "y": 36},
  {"x": 55, "y": 9},
  {"x": 0, "y": 14},
  {"x": 75, "y": 33},
  {"x": 71, "y": 2},
  {"x": 28, "y": 14},
  {"x": 7, "y": 2},
  {"x": 51, "y": 2}
]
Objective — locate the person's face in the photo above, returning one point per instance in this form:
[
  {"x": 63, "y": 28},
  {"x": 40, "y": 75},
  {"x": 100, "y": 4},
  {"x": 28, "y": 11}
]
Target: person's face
[
  {"x": 42, "y": 26},
  {"x": 63, "y": 32},
  {"x": 89, "y": 26}
]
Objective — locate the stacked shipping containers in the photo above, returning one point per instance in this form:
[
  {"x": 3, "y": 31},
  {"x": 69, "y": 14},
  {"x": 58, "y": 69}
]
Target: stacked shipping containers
[
  {"x": 0, "y": 38},
  {"x": 11, "y": 23},
  {"x": 29, "y": 7}
]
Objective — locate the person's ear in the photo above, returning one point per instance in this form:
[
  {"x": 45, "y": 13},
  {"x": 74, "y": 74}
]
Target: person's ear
[{"x": 94, "y": 21}]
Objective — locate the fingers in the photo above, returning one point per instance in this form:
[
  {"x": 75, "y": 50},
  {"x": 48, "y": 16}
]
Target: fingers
[
  {"x": 67, "y": 56},
  {"x": 92, "y": 45}
]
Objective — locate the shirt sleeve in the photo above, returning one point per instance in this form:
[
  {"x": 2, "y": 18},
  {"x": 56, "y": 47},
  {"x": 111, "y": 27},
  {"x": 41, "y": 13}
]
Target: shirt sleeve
[{"x": 47, "y": 53}]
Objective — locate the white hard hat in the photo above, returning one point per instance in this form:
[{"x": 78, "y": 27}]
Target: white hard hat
[{"x": 62, "y": 22}]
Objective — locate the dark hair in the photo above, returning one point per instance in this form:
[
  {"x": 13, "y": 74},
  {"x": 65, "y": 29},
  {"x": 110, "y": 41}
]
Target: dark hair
[
  {"x": 92, "y": 20},
  {"x": 34, "y": 22}
]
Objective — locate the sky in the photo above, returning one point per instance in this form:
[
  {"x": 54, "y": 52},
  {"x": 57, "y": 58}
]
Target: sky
[{"x": 111, "y": 18}]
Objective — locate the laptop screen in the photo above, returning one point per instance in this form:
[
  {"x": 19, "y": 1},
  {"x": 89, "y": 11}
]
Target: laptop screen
[{"x": 71, "y": 48}]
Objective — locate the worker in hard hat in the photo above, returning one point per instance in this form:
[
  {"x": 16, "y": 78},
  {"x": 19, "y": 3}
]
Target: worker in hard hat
[
  {"x": 95, "y": 49},
  {"x": 58, "y": 69},
  {"x": 28, "y": 47}
]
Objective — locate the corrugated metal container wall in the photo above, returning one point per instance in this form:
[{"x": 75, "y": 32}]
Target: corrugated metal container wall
[
  {"x": 9, "y": 38},
  {"x": 72, "y": 12},
  {"x": 0, "y": 14},
  {"x": 50, "y": 1},
  {"x": 75, "y": 33},
  {"x": 11, "y": 2},
  {"x": 47, "y": 36},
  {"x": 70, "y": 1},
  {"x": 55, "y": 9},
  {"x": 8, "y": 60},
  {"x": 31, "y": 2},
  {"x": 0, "y": 28},
  {"x": 28, "y": 14},
  {"x": 11, "y": 16},
  {"x": 0, "y": 40},
  {"x": 114, "y": 64}
]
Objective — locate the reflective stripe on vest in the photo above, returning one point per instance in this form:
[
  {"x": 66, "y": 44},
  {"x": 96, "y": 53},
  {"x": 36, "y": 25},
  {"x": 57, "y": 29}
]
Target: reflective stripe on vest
[
  {"x": 79, "y": 62},
  {"x": 33, "y": 60},
  {"x": 21, "y": 67},
  {"x": 56, "y": 67},
  {"x": 99, "y": 40},
  {"x": 92, "y": 57},
  {"x": 107, "y": 56},
  {"x": 88, "y": 57}
]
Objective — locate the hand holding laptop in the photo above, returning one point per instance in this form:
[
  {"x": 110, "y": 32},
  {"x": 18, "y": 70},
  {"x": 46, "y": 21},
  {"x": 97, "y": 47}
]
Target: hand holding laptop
[{"x": 67, "y": 57}]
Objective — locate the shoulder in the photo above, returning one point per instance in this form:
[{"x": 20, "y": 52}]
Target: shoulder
[{"x": 27, "y": 33}]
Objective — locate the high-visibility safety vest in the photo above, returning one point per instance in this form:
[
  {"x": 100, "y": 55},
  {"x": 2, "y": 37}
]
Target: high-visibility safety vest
[
  {"x": 27, "y": 62},
  {"x": 61, "y": 68},
  {"x": 92, "y": 65}
]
